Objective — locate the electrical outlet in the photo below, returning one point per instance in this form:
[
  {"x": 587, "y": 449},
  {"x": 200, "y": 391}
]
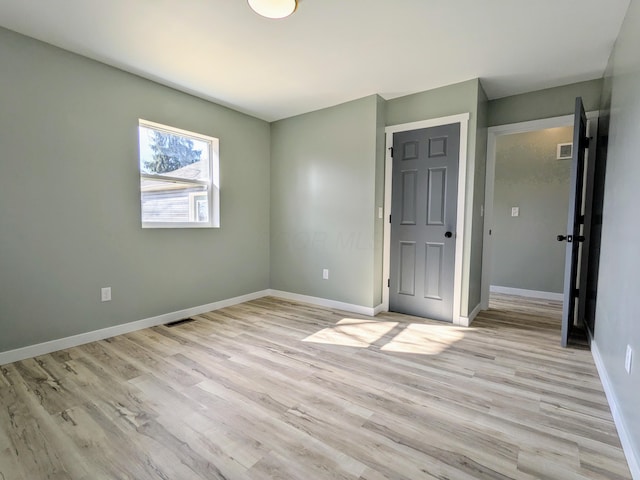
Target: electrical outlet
[
  {"x": 105, "y": 294},
  {"x": 628, "y": 359},
  {"x": 515, "y": 211},
  {"x": 325, "y": 274}
]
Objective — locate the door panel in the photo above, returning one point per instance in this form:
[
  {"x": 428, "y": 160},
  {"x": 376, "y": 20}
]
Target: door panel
[
  {"x": 410, "y": 150},
  {"x": 438, "y": 147},
  {"x": 409, "y": 197},
  {"x": 423, "y": 210},
  {"x": 433, "y": 270},
  {"x": 407, "y": 268},
  {"x": 436, "y": 200}
]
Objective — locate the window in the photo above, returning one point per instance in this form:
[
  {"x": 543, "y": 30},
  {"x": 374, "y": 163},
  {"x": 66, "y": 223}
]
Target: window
[{"x": 179, "y": 178}]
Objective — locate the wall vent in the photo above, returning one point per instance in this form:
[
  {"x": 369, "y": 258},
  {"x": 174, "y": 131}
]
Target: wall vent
[{"x": 565, "y": 151}]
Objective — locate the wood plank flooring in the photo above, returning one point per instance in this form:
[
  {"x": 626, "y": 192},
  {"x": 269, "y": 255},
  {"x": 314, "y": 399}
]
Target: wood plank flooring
[{"x": 278, "y": 389}]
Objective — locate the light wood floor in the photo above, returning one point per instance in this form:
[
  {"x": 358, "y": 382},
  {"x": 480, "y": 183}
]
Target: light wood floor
[{"x": 276, "y": 389}]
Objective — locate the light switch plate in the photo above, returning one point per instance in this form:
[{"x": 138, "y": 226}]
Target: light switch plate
[
  {"x": 325, "y": 274},
  {"x": 105, "y": 294},
  {"x": 628, "y": 359},
  {"x": 515, "y": 211}
]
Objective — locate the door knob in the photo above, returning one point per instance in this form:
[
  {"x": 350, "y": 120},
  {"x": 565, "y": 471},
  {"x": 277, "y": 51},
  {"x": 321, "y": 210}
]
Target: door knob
[
  {"x": 570, "y": 238},
  {"x": 448, "y": 234}
]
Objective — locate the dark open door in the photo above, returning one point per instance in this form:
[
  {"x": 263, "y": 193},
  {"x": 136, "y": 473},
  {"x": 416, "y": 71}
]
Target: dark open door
[
  {"x": 592, "y": 225},
  {"x": 575, "y": 222},
  {"x": 599, "y": 158}
]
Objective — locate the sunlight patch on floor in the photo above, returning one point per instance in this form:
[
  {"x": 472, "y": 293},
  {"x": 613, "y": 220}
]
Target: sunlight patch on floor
[
  {"x": 417, "y": 338},
  {"x": 351, "y": 332},
  {"x": 424, "y": 339}
]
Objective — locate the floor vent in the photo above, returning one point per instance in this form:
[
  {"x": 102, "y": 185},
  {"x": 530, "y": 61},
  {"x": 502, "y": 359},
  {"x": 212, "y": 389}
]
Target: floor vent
[{"x": 179, "y": 322}]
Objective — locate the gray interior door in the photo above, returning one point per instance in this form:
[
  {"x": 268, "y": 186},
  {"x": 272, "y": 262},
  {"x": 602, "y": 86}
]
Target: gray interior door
[
  {"x": 575, "y": 235},
  {"x": 423, "y": 221}
]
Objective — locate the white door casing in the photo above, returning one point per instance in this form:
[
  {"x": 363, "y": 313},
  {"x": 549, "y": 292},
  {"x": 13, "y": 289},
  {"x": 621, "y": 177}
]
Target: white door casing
[
  {"x": 492, "y": 136},
  {"x": 463, "y": 120}
]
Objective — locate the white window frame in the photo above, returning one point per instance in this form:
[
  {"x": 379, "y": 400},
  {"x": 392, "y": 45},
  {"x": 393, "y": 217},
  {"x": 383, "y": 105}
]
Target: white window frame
[{"x": 212, "y": 184}]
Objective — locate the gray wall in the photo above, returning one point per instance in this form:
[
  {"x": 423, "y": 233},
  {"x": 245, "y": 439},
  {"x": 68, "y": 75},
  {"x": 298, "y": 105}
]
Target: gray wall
[
  {"x": 477, "y": 229},
  {"x": 551, "y": 102},
  {"x": 70, "y": 201},
  {"x": 327, "y": 181},
  {"x": 78, "y": 187},
  {"x": 440, "y": 102},
  {"x": 617, "y": 318},
  {"x": 324, "y": 190},
  {"x": 465, "y": 97},
  {"x": 379, "y": 225},
  {"x": 528, "y": 176}
]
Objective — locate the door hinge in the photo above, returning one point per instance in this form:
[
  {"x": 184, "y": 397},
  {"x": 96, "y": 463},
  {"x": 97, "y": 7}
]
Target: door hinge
[
  {"x": 389, "y": 218},
  {"x": 391, "y": 150},
  {"x": 388, "y": 283},
  {"x": 576, "y": 293}
]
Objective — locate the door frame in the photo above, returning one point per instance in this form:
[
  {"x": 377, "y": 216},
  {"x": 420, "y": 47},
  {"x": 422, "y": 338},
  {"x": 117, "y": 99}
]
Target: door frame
[
  {"x": 492, "y": 136},
  {"x": 463, "y": 120}
]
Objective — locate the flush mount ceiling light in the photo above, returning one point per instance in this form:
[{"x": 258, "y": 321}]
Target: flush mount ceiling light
[{"x": 273, "y": 8}]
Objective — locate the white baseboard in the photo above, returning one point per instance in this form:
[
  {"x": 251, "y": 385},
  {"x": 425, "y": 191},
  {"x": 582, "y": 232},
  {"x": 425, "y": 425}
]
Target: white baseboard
[
  {"x": 75, "y": 340},
  {"x": 466, "y": 321},
  {"x": 80, "y": 339},
  {"x": 323, "y": 302},
  {"x": 633, "y": 457},
  {"x": 379, "y": 309},
  {"x": 527, "y": 293}
]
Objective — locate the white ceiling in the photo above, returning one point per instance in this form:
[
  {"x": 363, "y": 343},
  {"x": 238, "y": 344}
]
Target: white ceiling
[{"x": 331, "y": 51}]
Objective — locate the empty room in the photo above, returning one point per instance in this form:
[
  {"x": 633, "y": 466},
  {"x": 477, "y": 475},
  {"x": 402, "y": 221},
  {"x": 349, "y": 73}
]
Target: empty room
[{"x": 318, "y": 239}]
